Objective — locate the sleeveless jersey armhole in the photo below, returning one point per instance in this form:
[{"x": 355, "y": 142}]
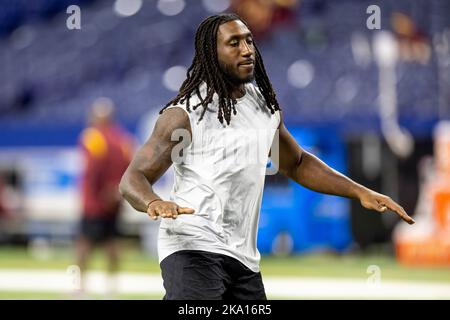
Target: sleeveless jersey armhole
[{"x": 191, "y": 122}]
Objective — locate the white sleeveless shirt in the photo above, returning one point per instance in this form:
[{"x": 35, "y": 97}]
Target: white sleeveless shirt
[{"x": 222, "y": 178}]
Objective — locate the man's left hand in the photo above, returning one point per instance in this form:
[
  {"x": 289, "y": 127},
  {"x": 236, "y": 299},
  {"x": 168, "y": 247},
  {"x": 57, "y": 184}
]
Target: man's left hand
[{"x": 381, "y": 203}]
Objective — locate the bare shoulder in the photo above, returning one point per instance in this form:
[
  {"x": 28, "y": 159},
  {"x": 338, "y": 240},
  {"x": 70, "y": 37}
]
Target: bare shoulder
[
  {"x": 171, "y": 119},
  {"x": 281, "y": 124},
  {"x": 281, "y": 116}
]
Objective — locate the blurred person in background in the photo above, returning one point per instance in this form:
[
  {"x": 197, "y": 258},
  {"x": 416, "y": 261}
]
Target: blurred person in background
[
  {"x": 3, "y": 209},
  {"x": 11, "y": 206},
  {"x": 107, "y": 150},
  {"x": 263, "y": 16},
  {"x": 4, "y": 212},
  {"x": 207, "y": 240}
]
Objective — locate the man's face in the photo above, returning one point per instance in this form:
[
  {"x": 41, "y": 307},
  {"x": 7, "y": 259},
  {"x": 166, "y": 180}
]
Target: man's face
[{"x": 236, "y": 52}]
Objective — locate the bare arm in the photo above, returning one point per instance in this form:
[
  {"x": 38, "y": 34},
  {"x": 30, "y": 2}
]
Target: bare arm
[
  {"x": 312, "y": 173},
  {"x": 150, "y": 163}
]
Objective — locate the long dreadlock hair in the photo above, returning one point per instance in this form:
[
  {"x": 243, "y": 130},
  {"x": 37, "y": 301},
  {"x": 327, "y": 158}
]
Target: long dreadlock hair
[{"x": 205, "y": 67}]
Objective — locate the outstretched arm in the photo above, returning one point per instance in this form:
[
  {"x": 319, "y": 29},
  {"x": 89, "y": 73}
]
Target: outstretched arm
[
  {"x": 150, "y": 163},
  {"x": 309, "y": 171}
]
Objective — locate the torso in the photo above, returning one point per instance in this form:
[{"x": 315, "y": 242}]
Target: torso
[{"x": 222, "y": 178}]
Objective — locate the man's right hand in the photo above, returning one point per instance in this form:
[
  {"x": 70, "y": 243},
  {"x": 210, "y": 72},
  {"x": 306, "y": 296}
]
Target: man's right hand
[{"x": 166, "y": 209}]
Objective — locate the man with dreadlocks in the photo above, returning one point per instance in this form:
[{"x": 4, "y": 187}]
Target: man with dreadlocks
[{"x": 207, "y": 239}]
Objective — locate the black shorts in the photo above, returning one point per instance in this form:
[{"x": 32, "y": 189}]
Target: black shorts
[
  {"x": 99, "y": 229},
  {"x": 201, "y": 275}
]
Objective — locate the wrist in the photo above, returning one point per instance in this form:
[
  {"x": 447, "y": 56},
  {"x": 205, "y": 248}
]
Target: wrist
[{"x": 358, "y": 191}]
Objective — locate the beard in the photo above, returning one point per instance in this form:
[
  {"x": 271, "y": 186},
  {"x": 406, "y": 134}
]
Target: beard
[{"x": 232, "y": 77}]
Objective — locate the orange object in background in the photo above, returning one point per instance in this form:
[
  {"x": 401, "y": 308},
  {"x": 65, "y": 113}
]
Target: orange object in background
[
  {"x": 442, "y": 208},
  {"x": 432, "y": 247},
  {"x": 429, "y": 243},
  {"x": 442, "y": 149},
  {"x": 441, "y": 199},
  {"x": 433, "y": 250}
]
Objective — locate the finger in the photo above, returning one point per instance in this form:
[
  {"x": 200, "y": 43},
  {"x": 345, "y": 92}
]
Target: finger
[
  {"x": 400, "y": 211},
  {"x": 373, "y": 204},
  {"x": 164, "y": 213},
  {"x": 152, "y": 213},
  {"x": 377, "y": 205},
  {"x": 174, "y": 212},
  {"x": 159, "y": 212},
  {"x": 185, "y": 210},
  {"x": 405, "y": 216},
  {"x": 169, "y": 211},
  {"x": 381, "y": 207}
]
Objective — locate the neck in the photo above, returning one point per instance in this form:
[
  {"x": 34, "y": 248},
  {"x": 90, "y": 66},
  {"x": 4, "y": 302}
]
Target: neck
[{"x": 238, "y": 91}]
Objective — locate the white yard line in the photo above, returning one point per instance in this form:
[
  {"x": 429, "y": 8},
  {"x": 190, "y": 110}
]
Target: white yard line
[
  {"x": 276, "y": 287},
  {"x": 324, "y": 288}
]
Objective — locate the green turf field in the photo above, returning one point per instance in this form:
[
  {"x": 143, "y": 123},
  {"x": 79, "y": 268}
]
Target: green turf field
[
  {"x": 311, "y": 265},
  {"x": 320, "y": 265},
  {"x": 18, "y": 295}
]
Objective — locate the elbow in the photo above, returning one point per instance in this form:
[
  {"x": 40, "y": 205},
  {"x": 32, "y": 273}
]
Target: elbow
[
  {"x": 123, "y": 185},
  {"x": 294, "y": 169},
  {"x": 300, "y": 159}
]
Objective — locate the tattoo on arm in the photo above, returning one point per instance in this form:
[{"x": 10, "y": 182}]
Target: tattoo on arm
[{"x": 152, "y": 160}]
